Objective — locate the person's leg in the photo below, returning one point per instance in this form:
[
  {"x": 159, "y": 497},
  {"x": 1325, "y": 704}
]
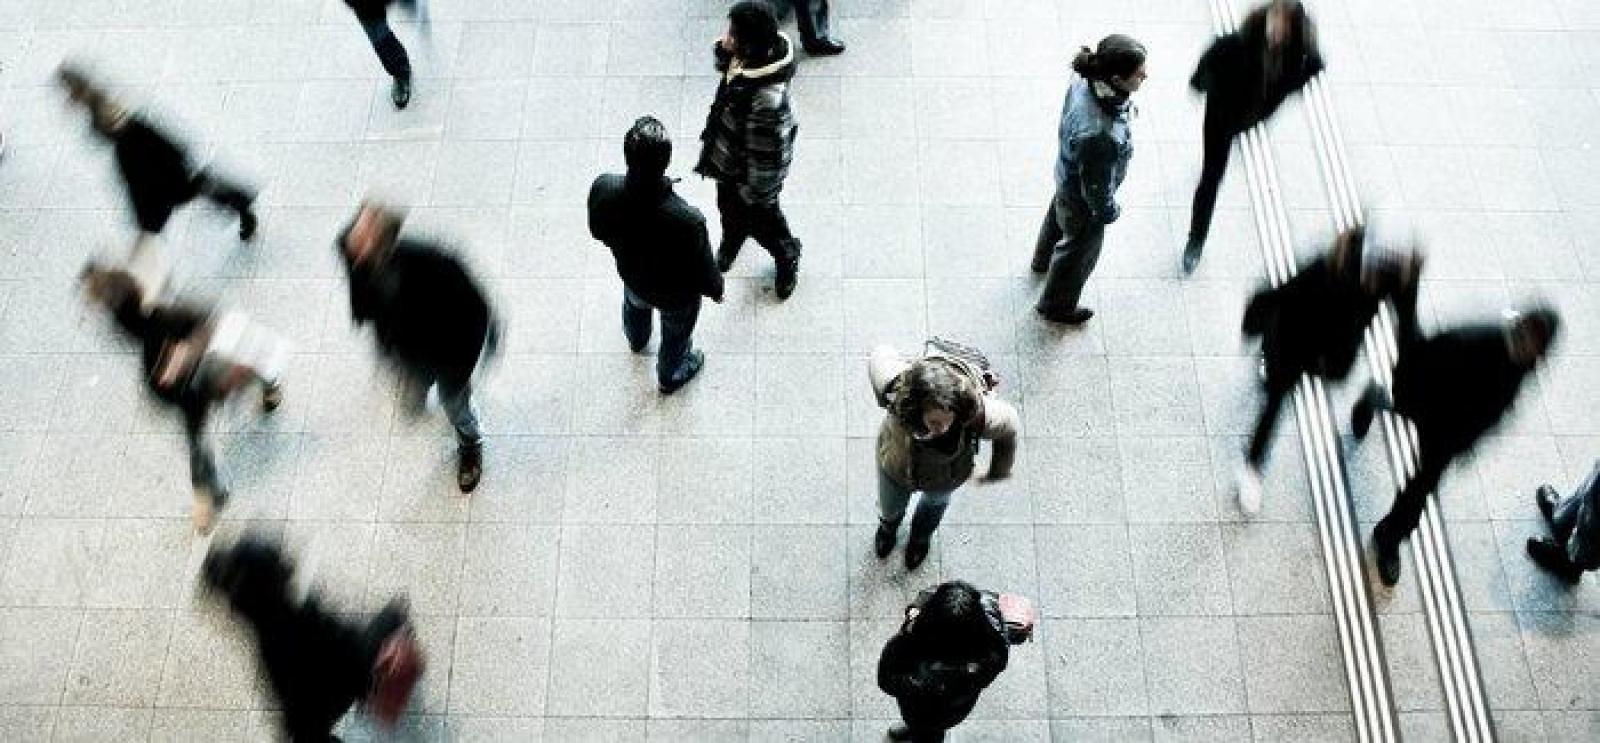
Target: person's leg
[
  {"x": 230, "y": 195},
  {"x": 1050, "y": 234},
  {"x": 930, "y": 511},
  {"x": 1074, "y": 259},
  {"x": 637, "y": 319},
  {"x": 677, "y": 362},
  {"x": 1276, "y": 389},
  {"x": 456, "y": 396},
  {"x": 730, "y": 209},
  {"x": 1564, "y": 517},
  {"x": 815, "y": 35},
  {"x": 1409, "y": 503},
  {"x": 892, "y": 501},
  {"x": 1367, "y": 406},
  {"x": 393, "y": 57},
  {"x": 209, "y": 492},
  {"x": 770, "y": 228},
  {"x": 1218, "y": 142}
]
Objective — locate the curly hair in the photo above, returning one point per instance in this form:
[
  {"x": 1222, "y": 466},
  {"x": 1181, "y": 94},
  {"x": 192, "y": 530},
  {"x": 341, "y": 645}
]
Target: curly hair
[{"x": 930, "y": 383}]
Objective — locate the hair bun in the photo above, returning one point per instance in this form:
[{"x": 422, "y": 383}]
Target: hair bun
[{"x": 1085, "y": 62}]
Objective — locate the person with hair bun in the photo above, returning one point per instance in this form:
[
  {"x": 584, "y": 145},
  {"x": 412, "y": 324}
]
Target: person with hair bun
[
  {"x": 1245, "y": 76},
  {"x": 1096, "y": 146}
]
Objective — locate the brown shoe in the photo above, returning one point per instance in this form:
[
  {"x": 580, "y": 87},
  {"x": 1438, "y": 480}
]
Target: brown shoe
[{"x": 469, "y": 467}]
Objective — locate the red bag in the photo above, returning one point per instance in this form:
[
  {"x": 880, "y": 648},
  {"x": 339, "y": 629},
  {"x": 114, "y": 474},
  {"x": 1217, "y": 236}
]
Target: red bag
[
  {"x": 394, "y": 675},
  {"x": 1017, "y": 615}
]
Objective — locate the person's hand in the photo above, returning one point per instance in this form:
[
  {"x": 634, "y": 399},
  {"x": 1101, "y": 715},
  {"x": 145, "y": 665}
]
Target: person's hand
[
  {"x": 717, "y": 299},
  {"x": 725, "y": 42}
]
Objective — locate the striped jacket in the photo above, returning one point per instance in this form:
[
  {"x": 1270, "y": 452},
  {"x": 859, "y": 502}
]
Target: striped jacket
[{"x": 749, "y": 135}]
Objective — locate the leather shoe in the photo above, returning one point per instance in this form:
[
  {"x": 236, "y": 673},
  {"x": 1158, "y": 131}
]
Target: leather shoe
[
  {"x": 916, "y": 552},
  {"x": 1388, "y": 562},
  {"x": 1191, "y": 255},
  {"x": 401, "y": 92},
  {"x": 691, "y": 367},
  {"x": 1077, "y": 316},
  {"x": 1549, "y": 555},
  {"x": 1547, "y": 498},
  {"x": 823, "y": 46},
  {"x": 469, "y": 467},
  {"x": 883, "y": 541}
]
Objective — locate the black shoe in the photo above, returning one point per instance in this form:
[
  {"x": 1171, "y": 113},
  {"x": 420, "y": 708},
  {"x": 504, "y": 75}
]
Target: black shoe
[
  {"x": 247, "y": 225},
  {"x": 1191, "y": 255},
  {"x": 899, "y": 733},
  {"x": 1038, "y": 267},
  {"x": 788, "y": 277},
  {"x": 271, "y": 397},
  {"x": 1388, "y": 561},
  {"x": 691, "y": 367},
  {"x": 916, "y": 552},
  {"x": 1361, "y": 416},
  {"x": 823, "y": 46},
  {"x": 1549, "y": 555},
  {"x": 883, "y": 541},
  {"x": 1077, "y": 316},
  {"x": 469, "y": 466},
  {"x": 401, "y": 92},
  {"x": 727, "y": 253},
  {"x": 1547, "y": 498}
]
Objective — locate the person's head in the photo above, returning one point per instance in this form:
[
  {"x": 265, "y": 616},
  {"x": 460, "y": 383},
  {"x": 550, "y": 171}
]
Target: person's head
[
  {"x": 1117, "y": 61},
  {"x": 373, "y": 233},
  {"x": 952, "y": 616},
  {"x": 753, "y": 27},
  {"x": 933, "y": 399},
  {"x": 252, "y": 573},
  {"x": 104, "y": 112},
  {"x": 1531, "y": 332},
  {"x": 1283, "y": 24},
  {"x": 111, "y": 288},
  {"x": 647, "y": 149},
  {"x": 1345, "y": 257}
]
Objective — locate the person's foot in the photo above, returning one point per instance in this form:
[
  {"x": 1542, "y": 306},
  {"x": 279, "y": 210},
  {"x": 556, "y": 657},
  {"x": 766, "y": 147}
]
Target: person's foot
[
  {"x": 469, "y": 467},
  {"x": 1038, "y": 266},
  {"x": 788, "y": 277},
  {"x": 823, "y": 46},
  {"x": 1249, "y": 486},
  {"x": 1548, "y": 555},
  {"x": 1077, "y": 316},
  {"x": 727, "y": 253},
  {"x": 247, "y": 225},
  {"x": 271, "y": 397},
  {"x": 1191, "y": 255},
  {"x": 1361, "y": 416},
  {"x": 1547, "y": 498},
  {"x": 883, "y": 541},
  {"x": 916, "y": 552},
  {"x": 400, "y": 93},
  {"x": 691, "y": 367},
  {"x": 899, "y": 733},
  {"x": 1388, "y": 561}
]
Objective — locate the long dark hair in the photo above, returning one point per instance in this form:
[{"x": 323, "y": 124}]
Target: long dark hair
[
  {"x": 954, "y": 622},
  {"x": 1302, "y": 31},
  {"x": 930, "y": 383},
  {"x": 1117, "y": 55},
  {"x": 755, "y": 31}
]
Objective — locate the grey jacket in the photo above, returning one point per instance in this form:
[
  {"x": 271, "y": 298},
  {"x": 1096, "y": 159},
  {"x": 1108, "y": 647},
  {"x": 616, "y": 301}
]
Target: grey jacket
[{"x": 1096, "y": 146}]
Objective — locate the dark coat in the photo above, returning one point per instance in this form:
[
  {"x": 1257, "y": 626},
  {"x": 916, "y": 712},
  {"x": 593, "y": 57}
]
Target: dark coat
[
  {"x": 370, "y": 10},
  {"x": 937, "y": 687},
  {"x": 426, "y": 310},
  {"x": 659, "y": 241},
  {"x": 156, "y": 170},
  {"x": 1456, "y": 385},
  {"x": 749, "y": 135},
  {"x": 1312, "y": 323},
  {"x": 1233, "y": 74},
  {"x": 153, "y": 331}
]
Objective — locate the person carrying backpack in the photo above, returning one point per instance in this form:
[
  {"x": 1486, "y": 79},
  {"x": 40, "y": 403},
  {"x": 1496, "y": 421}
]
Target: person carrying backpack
[{"x": 938, "y": 408}]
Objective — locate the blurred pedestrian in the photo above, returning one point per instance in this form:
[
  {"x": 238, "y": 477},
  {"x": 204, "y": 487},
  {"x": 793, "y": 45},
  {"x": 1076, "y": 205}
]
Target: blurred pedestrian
[
  {"x": 1314, "y": 323},
  {"x": 155, "y": 168},
  {"x": 950, "y": 647},
  {"x": 429, "y": 317},
  {"x": 1575, "y": 524},
  {"x": 1245, "y": 75},
  {"x": 317, "y": 662},
  {"x": 748, "y": 141},
  {"x": 816, "y": 37},
  {"x": 661, "y": 249},
  {"x": 1096, "y": 145},
  {"x": 1453, "y": 386},
  {"x": 374, "y": 18},
  {"x": 938, "y": 407},
  {"x": 194, "y": 359}
]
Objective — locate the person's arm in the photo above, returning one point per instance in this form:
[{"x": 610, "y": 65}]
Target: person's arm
[
  {"x": 1205, "y": 72},
  {"x": 900, "y": 674},
  {"x": 713, "y": 284},
  {"x": 766, "y": 137},
  {"x": 1258, "y": 312},
  {"x": 883, "y": 367},
  {"x": 1097, "y": 157},
  {"x": 596, "y": 224},
  {"x": 721, "y": 54},
  {"x": 1002, "y": 426}
]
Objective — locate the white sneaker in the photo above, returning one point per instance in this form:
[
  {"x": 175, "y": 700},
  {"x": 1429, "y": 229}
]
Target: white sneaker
[{"x": 1249, "y": 486}]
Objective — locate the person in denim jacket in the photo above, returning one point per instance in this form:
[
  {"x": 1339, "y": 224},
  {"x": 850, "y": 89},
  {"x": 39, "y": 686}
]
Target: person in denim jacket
[{"x": 1096, "y": 146}]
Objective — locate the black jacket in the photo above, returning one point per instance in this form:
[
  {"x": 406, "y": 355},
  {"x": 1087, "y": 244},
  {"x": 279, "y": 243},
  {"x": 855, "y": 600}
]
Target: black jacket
[
  {"x": 370, "y": 10},
  {"x": 937, "y": 688},
  {"x": 1311, "y": 323},
  {"x": 156, "y": 170},
  {"x": 750, "y": 131},
  {"x": 153, "y": 331},
  {"x": 1456, "y": 385},
  {"x": 1233, "y": 75},
  {"x": 426, "y": 310},
  {"x": 660, "y": 243}
]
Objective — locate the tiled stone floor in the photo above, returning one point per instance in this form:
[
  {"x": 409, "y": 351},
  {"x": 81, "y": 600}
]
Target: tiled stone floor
[{"x": 698, "y": 568}]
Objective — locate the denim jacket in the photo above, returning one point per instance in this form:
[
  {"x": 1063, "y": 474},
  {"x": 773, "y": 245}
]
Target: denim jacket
[{"x": 1096, "y": 146}]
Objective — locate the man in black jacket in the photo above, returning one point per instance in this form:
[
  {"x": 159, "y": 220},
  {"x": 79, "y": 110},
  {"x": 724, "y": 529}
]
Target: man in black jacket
[
  {"x": 429, "y": 317},
  {"x": 1453, "y": 386},
  {"x": 1313, "y": 324},
  {"x": 156, "y": 170},
  {"x": 1245, "y": 76},
  {"x": 662, "y": 252},
  {"x": 374, "y": 18},
  {"x": 949, "y": 649}
]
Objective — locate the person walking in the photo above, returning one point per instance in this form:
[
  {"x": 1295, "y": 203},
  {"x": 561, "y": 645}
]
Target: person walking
[
  {"x": 815, "y": 34},
  {"x": 428, "y": 315},
  {"x": 1453, "y": 386},
  {"x": 1313, "y": 324},
  {"x": 155, "y": 169},
  {"x": 1245, "y": 75},
  {"x": 661, "y": 249},
  {"x": 1575, "y": 525},
  {"x": 191, "y": 360},
  {"x": 938, "y": 408},
  {"x": 748, "y": 141},
  {"x": 374, "y": 18},
  {"x": 1096, "y": 145},
  {"x": 949, "y": 649}
]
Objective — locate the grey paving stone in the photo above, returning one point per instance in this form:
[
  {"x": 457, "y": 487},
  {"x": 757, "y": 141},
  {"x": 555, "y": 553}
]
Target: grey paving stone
[
  {"x": 510, "y": 570},
  {"x": 508, "y": 729},
  {"x": 1308, "y": 727},
  {"x": 420, "y": 561},
  {"x": 196, "y": 726},
  {"x": 1155, "y": 396},
  {"x": 1290, "y": 665},
  {"x": 1276, "y": 569},
  {"x": 1075, "y": 480},
  {"x": 605, "y": 571},
  {"x": 714, "y": 560},
  {"x": 1167, "y": 479},
  {"x": 1192, "y": 666},
  {"x": 611, "y": 480},
  {"x": 211, "y": 664},
  {"x": 597, "y": 668},
  {"x": 1068, "y": 396},
  {"x": 1084, "y": 571},
  {"x": 89, "y": 724},
  {"x": 489, "y": 670},
  {"x": 1197, "y": 728},
  {"x": 1179, "y": 569},
  {"x": 799, "y": 572},
  {"x": 1558, "y": 656},
  {"x": 792, "y": 731},
  {"x": 1095, "y": 667},
  {"x": 799, "y": 669},
  {"x": 700, "y": 668},
  {"x": 37, "y": 645},
  {"x": 51, "y": 562},
  {"x": 1413, "y": 673},
  {"x": 800, "y": 393},
  {"x": 118, "y": 658},
  {"x": 1102, "y": 729}
]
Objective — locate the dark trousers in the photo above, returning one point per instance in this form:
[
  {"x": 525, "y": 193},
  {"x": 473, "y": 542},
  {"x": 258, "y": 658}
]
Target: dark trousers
[
  {"x": 1433, "y": 458},
  {"x": 677, "y": 330},
  {"x": 153, "y": 210},
  {"x": 742, "y": 220},
  {"x": 1277, "y": 387},
  {"x": 1068, "y": 247},
  {"x": 812, "y": 17},
  {"x": 1218, "y": 144},
  {"x": 390, "y": 52},
  {"x": 455, "y": 396}
]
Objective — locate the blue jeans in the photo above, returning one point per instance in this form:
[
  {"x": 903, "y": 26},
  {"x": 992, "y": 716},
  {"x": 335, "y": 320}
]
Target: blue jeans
[
  {"x": 893, "y": 498},
  {"x": 677, "y": 327}
]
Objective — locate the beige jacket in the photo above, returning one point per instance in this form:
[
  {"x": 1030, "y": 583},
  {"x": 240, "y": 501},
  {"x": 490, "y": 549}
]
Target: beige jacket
[{"x": 998, "y": 422}]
